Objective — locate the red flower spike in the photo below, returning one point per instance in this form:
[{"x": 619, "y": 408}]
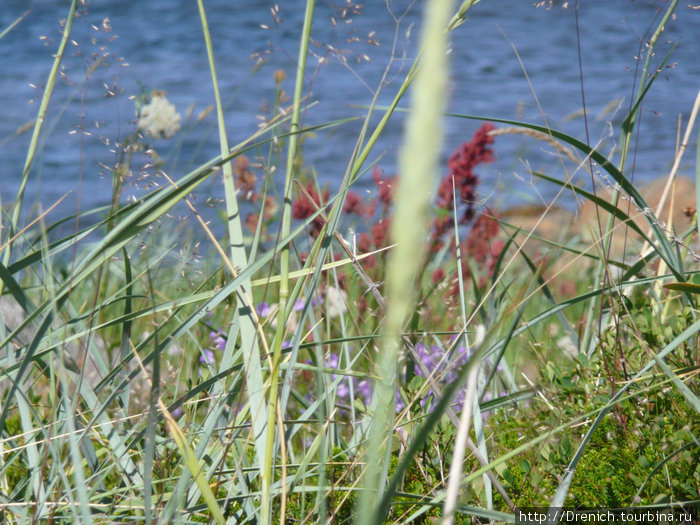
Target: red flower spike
[
  {"x": 303, "y": 208},
  {"x": 461, "y": 167},
  {"x": 364, "y": 243},
  {"x": 385, "y": 187},
  {"x": 380, "y": 232},
  {"x": 438, "y": 275},
  {"x": 245, "y": 178},
  {"x": 353, "y": 204},
  {"x": 481, "y": 245}
]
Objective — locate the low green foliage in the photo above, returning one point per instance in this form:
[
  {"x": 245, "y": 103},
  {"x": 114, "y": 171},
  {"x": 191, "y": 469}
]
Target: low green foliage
[{"x": 644, "y": 452}]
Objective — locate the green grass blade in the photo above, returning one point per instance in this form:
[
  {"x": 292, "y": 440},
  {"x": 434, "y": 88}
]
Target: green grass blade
[
  {"x": 41, "y": 116},
  {"x": 644, "y": 85},
  {"x": 126, "y": 326},
  {"x": 13, "y": 24},
  {"x": 599, "y": 202},
  {"x": 248, "y": 329},
  {"x": 195, "y": 468},
  {"x": 291, "y": 168},
  {"x": 697, "y": 180},
  {"x": 15, "y": 289},
  {"x": 683, "y": 287},
  {"x": 77, "y": 464},
  {"x": 418, "y": 160}
]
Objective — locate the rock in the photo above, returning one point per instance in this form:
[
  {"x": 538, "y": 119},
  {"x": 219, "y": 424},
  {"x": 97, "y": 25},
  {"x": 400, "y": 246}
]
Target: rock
[
  {"x": 681, "y": 201},
  {"x": 562, "y": 226}
]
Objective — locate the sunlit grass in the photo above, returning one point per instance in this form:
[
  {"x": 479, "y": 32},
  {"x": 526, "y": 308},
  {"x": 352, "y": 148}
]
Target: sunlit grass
[{"x": 326, "y": 355}]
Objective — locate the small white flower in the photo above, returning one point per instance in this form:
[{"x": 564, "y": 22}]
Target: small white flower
[
  {"x": 159, "y": 118},
  {"x": 480, "y": 336},
  {"x": 336, "y": 301}
]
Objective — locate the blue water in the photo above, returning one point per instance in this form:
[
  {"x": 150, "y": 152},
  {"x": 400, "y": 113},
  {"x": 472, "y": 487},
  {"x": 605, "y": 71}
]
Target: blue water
[{"x": 158, "y": 45}]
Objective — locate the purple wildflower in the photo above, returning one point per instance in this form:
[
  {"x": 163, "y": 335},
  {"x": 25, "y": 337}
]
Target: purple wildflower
[
  {"x": 400, "y": 405},
  {"x": 333, "y": 361},
  {"x": 316, "y": 301},
  {"x": 218, "y": 339},
  {"x": 458, "y": 401},
  {"x": 343, "y": 390},
  {"x": 364, "y": 389},
  {"x": 263, "y": 310},
  {"x": 299, "y": 305},
  {"x": 207, "y": 357},
  {"x": 463, "y": 355},
  {"x": 431, "y": 358},
  {"x": 442, "y": 369}
]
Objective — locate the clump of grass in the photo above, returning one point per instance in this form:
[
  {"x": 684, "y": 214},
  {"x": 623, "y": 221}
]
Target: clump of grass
[{"x": 174, "y": 373}]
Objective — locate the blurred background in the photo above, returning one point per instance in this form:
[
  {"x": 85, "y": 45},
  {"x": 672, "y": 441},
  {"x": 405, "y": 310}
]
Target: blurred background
[{"x": 510, "y": 60}]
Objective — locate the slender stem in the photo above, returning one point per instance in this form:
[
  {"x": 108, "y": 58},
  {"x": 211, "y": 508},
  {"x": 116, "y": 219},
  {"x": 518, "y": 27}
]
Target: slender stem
[
  {"x": 41, "y": 116},
  {"x": 625, "y": 141},
  {"x": 245, "y": 309},
  {"x": 418, "y": 161},
  {"x": 627, "y": 130},
  {"x": 273, "y": 393}
]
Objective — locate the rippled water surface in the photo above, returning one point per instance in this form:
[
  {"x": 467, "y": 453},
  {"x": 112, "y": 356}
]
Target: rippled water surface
[{"x": 510, "y": 60}]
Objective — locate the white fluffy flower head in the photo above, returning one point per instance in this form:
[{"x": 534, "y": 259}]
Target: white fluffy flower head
[{"x": 159, "y": 118}]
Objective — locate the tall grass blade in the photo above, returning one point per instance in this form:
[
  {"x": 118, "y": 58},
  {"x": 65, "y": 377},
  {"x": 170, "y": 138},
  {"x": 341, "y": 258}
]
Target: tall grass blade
[
  {"x": 644, "y": 85},
  {"x": 697, "y": 180},
  {"x": 77, "y": 470},
  {"x": 126, "y": 326},
  {"x": 245, "y": 314},
  {"x": 470, "y": 408},
  {"x": 267, "y": 468},
  {"x": 15, "y": 289},
  {"x": 662, "y": 245},
  {"x": 13, "y": 24},
  {"x": 195, "y": 468},
  {"x": 418, "y": 160},
  {"x": 152, "y": 417},
  {"x": 41, "y": 116}
]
